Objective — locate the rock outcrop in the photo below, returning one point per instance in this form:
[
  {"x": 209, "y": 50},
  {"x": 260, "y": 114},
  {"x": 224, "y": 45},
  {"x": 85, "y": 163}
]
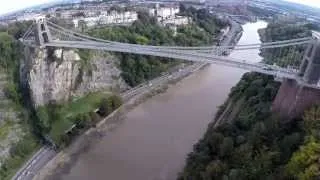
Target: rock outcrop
[{"x": 59, "y": 74}]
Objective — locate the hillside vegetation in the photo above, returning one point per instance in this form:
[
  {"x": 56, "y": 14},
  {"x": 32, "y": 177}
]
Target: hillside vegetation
[
  {"x": 284, "y": 56},
  {"x": 252, "y": 142},
  {"x": 16, "y": 130},
  {"x": 138, "y": 68}
]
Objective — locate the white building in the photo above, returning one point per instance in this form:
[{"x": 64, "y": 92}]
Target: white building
[
  {"x": 167, "y": 12},
  {"x": 108, "y": 18},
  {"x": 164, "y": 12},
  {"x": 177, "y": 20},
  {"x": 29, "y": 16}
]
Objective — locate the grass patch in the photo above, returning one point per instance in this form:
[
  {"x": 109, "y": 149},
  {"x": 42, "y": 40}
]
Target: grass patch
[
  {"x": 84, "y": 104},
  {"x": 67, "y": 113},
  {"x": 62, "y": 122}
]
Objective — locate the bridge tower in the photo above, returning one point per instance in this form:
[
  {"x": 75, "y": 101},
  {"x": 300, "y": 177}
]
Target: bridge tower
[
  {"x": 293, "y": 97},
  {"x": 42, "y": 32},
  {"x": 310, "y": 66}
]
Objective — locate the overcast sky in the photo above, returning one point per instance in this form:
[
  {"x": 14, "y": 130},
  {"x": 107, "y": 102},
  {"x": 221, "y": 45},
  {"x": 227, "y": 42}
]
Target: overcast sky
[
  {"x": 313, "y": 3},
  {"x": 13, "y": 5}
]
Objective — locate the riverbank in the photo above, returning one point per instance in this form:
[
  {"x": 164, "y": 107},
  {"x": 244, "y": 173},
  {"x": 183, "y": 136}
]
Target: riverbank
[
  {"x": 236, "y": 134},
  {"x": 65, "y": 159}
]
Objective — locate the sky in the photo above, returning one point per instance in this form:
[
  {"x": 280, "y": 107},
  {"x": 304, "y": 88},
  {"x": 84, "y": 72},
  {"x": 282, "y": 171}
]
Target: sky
[
  {"x": 312, "y": 3},
  {"x": 13, "y": 5}
]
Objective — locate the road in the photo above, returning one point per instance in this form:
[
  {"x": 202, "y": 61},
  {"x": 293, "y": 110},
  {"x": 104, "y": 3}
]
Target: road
[
  {"x": 39, "y": 159},
  {"x": 45, "y": 154}
]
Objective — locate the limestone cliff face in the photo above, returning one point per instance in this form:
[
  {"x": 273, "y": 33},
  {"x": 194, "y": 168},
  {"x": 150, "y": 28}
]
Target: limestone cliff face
[
  {"x": 59, "y": 74},
  {"x": 104, "y": 74}
]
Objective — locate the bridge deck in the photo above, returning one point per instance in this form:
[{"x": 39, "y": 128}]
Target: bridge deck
[{"x": 211, "y": 54}]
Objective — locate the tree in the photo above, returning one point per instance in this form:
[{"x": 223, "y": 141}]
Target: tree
[
  {"x": 288, "y": 144},
  {"x": 236, "y": 174},
  {"x": 44, "y": 120},
  {"x": 104, "y": 108},
  {"x": 11, "y": 91},
  {"x": 107, "y": 105},
  {"x": 142, "y": 40},
  {"x": 311, "y": 120},
  {"x": 115, "y": 101},
  {"x": 214, "y": 141},
  {"x": 18, "y": 29},
  {"x": 304, "y": 164},
  {"x": 214, "y": 170},
  {"x": 8, "y": 50},
  {"x": 226, "y": 147}
]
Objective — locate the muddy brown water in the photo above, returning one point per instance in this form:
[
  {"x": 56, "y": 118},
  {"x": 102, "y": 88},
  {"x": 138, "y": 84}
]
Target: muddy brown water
[{"x": 154, "y": 140}]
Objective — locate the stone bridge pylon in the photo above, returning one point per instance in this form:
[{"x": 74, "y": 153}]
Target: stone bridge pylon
[
  {"x": 42, "y": 32},
  {"x": 294, "y": 97}
]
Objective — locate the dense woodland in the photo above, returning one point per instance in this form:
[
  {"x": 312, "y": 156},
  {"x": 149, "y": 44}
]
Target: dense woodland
[
  {"x": 284, "y": 56},
  {"x": 255, "y": 143}
]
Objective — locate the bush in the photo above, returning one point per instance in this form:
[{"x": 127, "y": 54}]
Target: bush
[
  {"x": 104, "y": 108},
  {"x": 11, "y": 91},
  {"x": 107, "y": 105}
]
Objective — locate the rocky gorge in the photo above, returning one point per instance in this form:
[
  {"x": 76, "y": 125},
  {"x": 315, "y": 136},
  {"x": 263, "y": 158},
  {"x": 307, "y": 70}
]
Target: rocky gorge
[{"x": 59, "y": 74}]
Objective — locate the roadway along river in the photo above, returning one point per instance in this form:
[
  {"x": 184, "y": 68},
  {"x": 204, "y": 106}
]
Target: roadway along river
[{"x": 154, "y": 140}]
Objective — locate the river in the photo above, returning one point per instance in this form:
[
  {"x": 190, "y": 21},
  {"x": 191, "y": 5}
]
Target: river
[{"x": 154, "y": 140}]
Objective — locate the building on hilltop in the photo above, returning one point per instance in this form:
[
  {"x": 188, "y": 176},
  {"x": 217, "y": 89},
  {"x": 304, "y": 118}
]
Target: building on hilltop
[{"x": 105, "y": 18}]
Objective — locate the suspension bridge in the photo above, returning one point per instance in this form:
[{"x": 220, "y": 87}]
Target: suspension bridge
[{"x": 302, "y": 67}]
